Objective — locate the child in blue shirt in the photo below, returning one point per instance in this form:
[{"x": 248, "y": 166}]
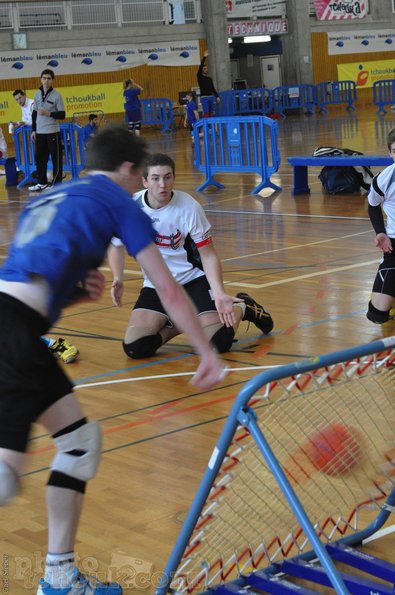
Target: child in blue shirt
[{"x": 191, "y": 112}]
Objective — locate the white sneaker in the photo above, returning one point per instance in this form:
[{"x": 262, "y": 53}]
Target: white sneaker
[
  {"x": 38, "y": 187},
  {"x": 81, "y": 585}
]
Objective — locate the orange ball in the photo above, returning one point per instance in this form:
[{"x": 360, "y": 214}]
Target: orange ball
[{"x": 334, "y": 449}]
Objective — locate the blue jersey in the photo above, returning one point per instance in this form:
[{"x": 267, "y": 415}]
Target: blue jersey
[
  {"x": 132, "y": 100},
  {"x": 63, "y": 234},
  {"x": 191, "y": 109},
  {"x": 89, "y": 129}
]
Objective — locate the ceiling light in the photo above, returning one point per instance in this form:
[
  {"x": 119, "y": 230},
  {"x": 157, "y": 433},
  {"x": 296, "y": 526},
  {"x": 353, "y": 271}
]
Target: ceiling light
[{"x": 257, "y": 39}]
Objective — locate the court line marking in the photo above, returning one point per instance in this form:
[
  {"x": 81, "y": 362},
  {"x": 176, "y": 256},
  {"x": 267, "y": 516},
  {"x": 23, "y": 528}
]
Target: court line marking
[
  {"x": 177, "y": 375},
  {"x": 307, "y": 215},
  {"x": 295, "y": 247},
  {"x": 300, "y": 277},
  {"x": 380, "y": 533}
]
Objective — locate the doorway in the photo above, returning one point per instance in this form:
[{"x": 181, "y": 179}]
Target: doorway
[{"x": 271, "y": 71}]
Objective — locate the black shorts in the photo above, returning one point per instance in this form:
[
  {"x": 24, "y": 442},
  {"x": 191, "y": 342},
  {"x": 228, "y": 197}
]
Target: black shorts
[
  {"x": 198, "y": 290},
  {"x": 31, "y": 379},
  {"x": 385, "y": 278}
]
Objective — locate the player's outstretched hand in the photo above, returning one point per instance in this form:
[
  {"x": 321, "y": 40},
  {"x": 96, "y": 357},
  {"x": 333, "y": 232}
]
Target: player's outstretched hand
[
  {"x": 211, "y": 371},
  {"x": 224, "y": 304},
  {"x": 117, "y": 292},
  {"x": 383, "y": 242}
]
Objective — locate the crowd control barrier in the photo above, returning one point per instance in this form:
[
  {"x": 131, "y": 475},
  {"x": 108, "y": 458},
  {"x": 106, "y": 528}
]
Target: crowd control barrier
[
  {"x": 336, "y": 92},
  {"x": 73, "y": 151},
  {"x": 237, "y": 144},
  {"x": 246, "y": 101},
  {"x": 294, "y": 97},
  {"x": 383, "y": 94},
  {"x": 158, "y": 112}
]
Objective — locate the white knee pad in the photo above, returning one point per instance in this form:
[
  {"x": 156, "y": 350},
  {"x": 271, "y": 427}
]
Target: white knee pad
[
  {"x": 86, "y": 438},
  {"x": 9, "y": 484}
]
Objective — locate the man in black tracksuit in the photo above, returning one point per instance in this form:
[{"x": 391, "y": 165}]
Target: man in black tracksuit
[
  {"x": 48, "y": 109},
  {"x": 207, "y": 89}
]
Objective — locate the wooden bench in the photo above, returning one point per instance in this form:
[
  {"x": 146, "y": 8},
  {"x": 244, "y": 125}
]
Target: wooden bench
[{"x": 301, "y": 164}]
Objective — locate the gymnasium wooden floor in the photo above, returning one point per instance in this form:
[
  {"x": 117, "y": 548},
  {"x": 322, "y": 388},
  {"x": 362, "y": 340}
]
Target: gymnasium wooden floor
[{"x": 310, "y": 260}]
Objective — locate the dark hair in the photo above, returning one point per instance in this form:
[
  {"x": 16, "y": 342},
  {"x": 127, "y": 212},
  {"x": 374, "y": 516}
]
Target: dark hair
[
  {"x": 158, "y": 159},
  {"x": 113, "y": 145},
  {"x": 48, "y": 71},
  {"x": 92, "y": 117},
  {"x": 18, "y": 92},
  {"x": 127, "y": 83},
  {"x": 391, "y": 138}
]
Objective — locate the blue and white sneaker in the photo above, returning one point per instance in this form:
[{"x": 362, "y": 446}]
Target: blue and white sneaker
[{"x": 81, "y": 585}]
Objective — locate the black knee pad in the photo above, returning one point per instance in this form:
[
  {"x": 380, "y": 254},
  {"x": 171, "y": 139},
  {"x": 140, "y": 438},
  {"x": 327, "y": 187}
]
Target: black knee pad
[
  {"x": 377, "y": 316},
  {"x": 143, "y": 347},
  {"x": 223, "y": 338}
]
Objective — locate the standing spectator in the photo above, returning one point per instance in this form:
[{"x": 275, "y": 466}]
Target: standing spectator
[
  {"x": 60, "y": 241},
  {"x": 48, "y": 110},
  {"x": 91, "y": 128},
  {"x": 27, "y": 106},
  {"x": 382, "y": 198},
  {"x": 191, "y": 112},
  {"x": 132, "y": 105},
  {"x": 207, "y": 89}
]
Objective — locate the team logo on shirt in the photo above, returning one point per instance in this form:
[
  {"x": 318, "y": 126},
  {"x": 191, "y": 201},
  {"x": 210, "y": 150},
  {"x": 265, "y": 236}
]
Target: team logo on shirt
[{"x": 173, "y": 241}]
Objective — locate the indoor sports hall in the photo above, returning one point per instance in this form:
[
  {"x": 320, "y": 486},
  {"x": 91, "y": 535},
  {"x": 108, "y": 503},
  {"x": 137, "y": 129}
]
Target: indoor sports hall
[{"x": 309, "y": 258}]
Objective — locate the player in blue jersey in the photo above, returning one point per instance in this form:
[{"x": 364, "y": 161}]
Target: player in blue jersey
[
  {"x": 60, "y": 241},
  {"x": 132, "y": 105}
]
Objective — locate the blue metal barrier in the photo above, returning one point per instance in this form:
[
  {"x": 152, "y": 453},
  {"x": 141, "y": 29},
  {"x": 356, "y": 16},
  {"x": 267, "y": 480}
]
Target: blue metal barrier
[
  {"x": 334, "y": 92},
  {"x": 158, "y": 111},
  {"x": 11, "y": 174},
  {"x": 294, "y": 97},
  {"x": 383, "y": 94},
  {"x": 73, "y": 151},
  {"x": 237, "y": 144},
  {"x": 246, "y": 101}
]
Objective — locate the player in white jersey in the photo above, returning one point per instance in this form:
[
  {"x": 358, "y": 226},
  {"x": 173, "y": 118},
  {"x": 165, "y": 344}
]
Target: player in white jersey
[
  {"x": 382, "y": 198},
  {"x": 183, "y": 236},
  {"x": 26, "y": 106}
]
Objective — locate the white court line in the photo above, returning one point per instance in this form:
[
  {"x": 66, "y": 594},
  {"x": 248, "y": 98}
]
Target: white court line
[
  {"x": 160, "y": 376},
  {"x": 299, "y": 277},
  {"x": 306, "y": 215},
  {"x": 380, "y": 533},
  {"x": 295, "y": 247}
]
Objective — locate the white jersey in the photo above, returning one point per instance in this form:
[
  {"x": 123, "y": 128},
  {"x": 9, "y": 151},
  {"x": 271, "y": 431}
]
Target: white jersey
[
  {"x": 27, "y": 111},
  {"x": 3, "y": 145},
  {"x": 382, "y": 192},
  {"x": 180, "y": 227}
]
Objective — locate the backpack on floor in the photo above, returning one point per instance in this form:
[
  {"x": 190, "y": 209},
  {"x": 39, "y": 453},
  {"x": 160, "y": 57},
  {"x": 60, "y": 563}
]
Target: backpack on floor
[
  {"x": 343, "y": 179},
  {"x": 340, "y": 180}
]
